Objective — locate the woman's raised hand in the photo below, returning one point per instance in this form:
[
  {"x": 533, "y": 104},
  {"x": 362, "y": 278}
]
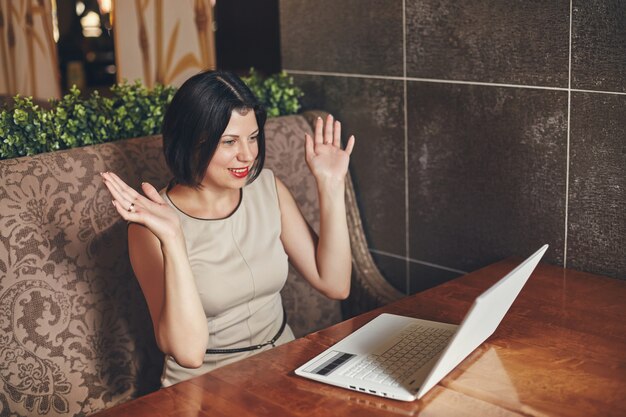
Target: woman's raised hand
[
  {"x": 324, "y": 155},
  {"x": 151, "y": 211}
]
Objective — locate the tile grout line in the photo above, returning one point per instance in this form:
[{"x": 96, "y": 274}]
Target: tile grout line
[
  {"x": 567, "y": 150},
  {"x": 407, "y": 248},
  {"x": 417, "y": 261},
  {"x": 344, "y": 74},
  {"x": 579, "y": 90},
  {"x": 461, "y": 82},
  {"x": 482, "y": 83}
]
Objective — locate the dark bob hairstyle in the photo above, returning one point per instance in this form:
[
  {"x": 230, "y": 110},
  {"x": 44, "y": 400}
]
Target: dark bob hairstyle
[{"x": 198, "y": 116}]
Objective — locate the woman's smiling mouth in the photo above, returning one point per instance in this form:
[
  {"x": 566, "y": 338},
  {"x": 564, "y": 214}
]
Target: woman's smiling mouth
[{"x": 240, "y": 172}]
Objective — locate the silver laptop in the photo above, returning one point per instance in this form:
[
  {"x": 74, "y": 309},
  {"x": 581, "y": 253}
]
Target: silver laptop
[{"x": 402, "y": 357}]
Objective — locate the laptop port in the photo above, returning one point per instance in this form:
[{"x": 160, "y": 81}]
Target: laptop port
[
  {"x": 352, "y": 386},
  {"x": 362, "y": 389},
  {"x": 372, "y": 391}
]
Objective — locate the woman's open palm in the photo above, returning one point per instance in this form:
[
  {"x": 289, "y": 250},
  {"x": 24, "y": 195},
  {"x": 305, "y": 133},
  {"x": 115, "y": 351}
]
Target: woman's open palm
[
  {"x": 151, "y": 211},
  {"x": 323, "y": 153}
]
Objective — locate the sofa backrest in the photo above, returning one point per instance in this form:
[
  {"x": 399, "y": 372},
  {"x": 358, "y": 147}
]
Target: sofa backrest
[{"x": 75, "y": 334}]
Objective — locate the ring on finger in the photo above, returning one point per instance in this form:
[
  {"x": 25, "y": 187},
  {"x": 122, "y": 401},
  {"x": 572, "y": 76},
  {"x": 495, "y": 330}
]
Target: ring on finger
[{"x": 131, "y": 208}]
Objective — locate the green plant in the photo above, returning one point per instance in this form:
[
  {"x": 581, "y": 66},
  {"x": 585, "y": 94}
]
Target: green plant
[
  {"x": 277, "y": 93},
  {"x": 23, "y": 129},
  {"x": 131, "y": 111}
]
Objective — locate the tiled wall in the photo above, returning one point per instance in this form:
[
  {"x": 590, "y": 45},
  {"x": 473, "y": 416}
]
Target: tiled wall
[{"x": 484, "y": 129}]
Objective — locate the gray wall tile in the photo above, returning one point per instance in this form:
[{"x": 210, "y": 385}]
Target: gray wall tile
[
  {"x": 353, "y": 36},
  {"x": 423, "y": 277},
  {"x": 487, "y": 173},
  {"x": 487, "y": 164},
  {"x": 597, "y": 191},
  {"x": 522, "y": 42},
  {"x": 393, "y": 269},
  {"x": 599, "y": 45},
  {"x": 372, "y": 110}
]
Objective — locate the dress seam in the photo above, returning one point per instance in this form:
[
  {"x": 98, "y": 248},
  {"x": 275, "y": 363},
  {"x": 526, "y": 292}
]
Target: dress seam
[{"x": 232, "y": 233}]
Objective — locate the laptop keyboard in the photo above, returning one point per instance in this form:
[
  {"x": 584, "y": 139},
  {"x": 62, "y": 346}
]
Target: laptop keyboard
[{"x": 417, "y": 345}]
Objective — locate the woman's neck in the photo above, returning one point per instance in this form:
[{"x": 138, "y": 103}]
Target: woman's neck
[{"x": 205, "y": 203}]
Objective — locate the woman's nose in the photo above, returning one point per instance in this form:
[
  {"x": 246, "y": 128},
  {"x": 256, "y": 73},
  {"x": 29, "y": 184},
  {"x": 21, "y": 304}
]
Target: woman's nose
[{"x": 245, "y": 152}]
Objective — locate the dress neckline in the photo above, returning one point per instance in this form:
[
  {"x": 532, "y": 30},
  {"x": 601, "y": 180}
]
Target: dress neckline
[{"x": 202, "y": 218}]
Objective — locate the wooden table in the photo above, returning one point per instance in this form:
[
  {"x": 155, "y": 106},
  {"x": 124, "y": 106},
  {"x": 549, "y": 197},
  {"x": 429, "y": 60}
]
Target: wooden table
[{"x": 560, "y": 351}]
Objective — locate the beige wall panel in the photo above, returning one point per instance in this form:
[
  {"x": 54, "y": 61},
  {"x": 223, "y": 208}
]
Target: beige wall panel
[
  {"x": 164, "y": 41},
  {"x": 28, "y": 54}
]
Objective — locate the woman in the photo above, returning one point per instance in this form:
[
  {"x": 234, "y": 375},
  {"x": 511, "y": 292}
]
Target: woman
[{"x": 210, "y": 252}]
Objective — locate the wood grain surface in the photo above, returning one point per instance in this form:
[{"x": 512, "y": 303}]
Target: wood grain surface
[{"x": 560, "y": 351}]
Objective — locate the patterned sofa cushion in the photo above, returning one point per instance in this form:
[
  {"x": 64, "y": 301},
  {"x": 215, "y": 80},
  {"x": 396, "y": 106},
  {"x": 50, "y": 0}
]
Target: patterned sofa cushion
[{"x": 75, "y": 334}]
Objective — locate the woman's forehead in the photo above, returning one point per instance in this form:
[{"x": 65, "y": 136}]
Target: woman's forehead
[{"x": 241, "y": 123}]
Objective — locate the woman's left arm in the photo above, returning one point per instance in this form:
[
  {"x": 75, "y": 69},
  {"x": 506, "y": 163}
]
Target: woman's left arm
[{"x": 324, "y": 261}]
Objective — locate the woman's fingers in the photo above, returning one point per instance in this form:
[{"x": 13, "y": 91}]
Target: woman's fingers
[
  {"x": 327, "y": 134},
  {"x": 112, "y": 176},
  {"x": 350, "y": 145},
  {"x": 115, "y": 183},
  {"x": 319, "y": 135},
  {"x": 151, "y": 211},
  {"x": 152, "y": 193},
  {"x": 328, "y": 131},
  {"x": 337, "y": 134},
  {"x": 117, "y": 194}
]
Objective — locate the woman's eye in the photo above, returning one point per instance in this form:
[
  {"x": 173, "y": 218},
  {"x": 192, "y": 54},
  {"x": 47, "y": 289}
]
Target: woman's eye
[
  {"x": 253, "y": 138},
  {"x": 228, "y": 141}
]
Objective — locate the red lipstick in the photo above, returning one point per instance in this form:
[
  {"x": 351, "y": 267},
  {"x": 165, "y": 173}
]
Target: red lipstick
[{"x": 240, "y": 172}]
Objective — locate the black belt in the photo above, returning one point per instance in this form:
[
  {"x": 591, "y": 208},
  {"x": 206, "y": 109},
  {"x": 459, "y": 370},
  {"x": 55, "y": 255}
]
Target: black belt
[{"x": 254, "y": 347}]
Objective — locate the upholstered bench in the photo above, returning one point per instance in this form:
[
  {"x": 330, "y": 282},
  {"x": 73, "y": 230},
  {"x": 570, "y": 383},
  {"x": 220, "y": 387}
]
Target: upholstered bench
[{"x": 75, "y": 335}]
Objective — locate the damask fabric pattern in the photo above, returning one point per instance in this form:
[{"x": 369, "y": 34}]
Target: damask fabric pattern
[{"x": 75, "y": 334}]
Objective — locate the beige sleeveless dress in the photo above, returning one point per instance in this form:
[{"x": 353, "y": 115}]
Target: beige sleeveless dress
[{"x": 240, "y": 266}]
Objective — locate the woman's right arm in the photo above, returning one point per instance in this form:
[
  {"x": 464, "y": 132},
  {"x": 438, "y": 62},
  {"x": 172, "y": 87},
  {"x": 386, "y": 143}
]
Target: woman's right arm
[{"x": 158, "y": 255}]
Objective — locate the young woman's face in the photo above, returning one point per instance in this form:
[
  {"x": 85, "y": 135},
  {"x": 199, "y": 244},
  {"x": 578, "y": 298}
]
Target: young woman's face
[{"x": 235, "y": 154}]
